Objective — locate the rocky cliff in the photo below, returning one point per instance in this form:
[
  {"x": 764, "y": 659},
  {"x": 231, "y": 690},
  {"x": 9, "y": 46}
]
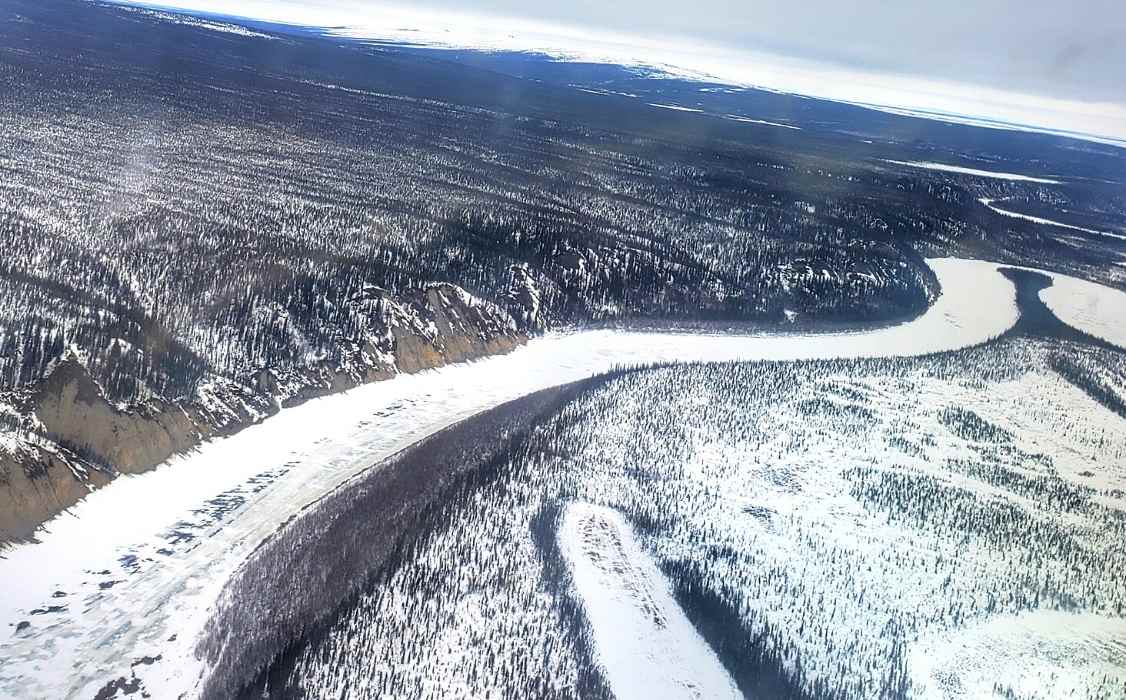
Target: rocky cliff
[{"x": 64, "y": 438}]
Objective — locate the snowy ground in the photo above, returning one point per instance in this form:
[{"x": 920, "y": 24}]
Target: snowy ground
[
  {"x": 945, "y": 527},
  {"x": 1092, "y": 308},
  {"x": 969, "y": 530},
  {"x": 1044, "y": 654},
  {"x": 641, "y": 635},
  {"x": 131, "y": 571}
]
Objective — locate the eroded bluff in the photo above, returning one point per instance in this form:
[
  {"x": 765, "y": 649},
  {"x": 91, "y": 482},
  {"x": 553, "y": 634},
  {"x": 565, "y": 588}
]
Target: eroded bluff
[{"x": 65, "y": 438}]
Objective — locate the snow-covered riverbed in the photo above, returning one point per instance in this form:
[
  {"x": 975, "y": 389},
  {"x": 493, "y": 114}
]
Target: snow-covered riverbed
[
  {"x": 130, "y": 572},
  {"x": 1092, "y": 308}
]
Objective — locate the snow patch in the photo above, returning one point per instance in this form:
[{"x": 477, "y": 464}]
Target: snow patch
[
  {"x": 193, "y": 21},
  {"x": 748, "y": 120},
  {"x": 1092, "y": 308},
  {"x": 677, "y": 108},
  {"x": 646, "y": 645},
  {"x": 942, "y": 167},
  {"x": 601, "y": 91}
]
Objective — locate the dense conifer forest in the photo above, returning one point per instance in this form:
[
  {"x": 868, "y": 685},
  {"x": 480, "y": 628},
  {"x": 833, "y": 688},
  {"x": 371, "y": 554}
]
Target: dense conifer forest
[
  {"x": 207, "y": 222},
  {"x": 180, "y": 202}
]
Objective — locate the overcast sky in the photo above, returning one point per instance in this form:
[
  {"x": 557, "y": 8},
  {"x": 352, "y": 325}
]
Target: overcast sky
[
  {"x": 1069, "y": 53},
  {"x": 1062, "y": 48}
]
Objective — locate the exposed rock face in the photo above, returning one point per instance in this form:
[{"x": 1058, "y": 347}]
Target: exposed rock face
[
  {"x": 450, "y": 325},
  {"x": 36, "y": 482},
  {"x": 415, "y": 330},
  {"x": 82, "y": 440},
  {"x": 525, "y": 299},
  {"x": 75, "y": 413}
]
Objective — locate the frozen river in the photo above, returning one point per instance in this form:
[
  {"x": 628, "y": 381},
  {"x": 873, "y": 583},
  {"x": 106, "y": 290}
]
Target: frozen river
[{"x": 129, "y": 574}]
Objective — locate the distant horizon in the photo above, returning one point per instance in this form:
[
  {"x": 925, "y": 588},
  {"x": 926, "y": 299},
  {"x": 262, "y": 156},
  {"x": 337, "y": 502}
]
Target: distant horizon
[{"x": 908, "y": 95}]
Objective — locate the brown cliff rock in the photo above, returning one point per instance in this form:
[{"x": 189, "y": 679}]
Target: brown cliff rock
[
  {"x": 75, "y": 413},
  {"x": 39, "y": 483},
  {"x": 82, "y": 440}
]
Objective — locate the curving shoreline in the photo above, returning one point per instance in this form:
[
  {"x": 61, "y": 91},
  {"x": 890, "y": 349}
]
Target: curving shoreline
[
  {"x": 314, "y": 541},
  {"x": 278, "y": 467},
  {"x": 259, "y": 613},
  {"x": 84, "y": 440},
  {"x": 1088, "y": 307}
]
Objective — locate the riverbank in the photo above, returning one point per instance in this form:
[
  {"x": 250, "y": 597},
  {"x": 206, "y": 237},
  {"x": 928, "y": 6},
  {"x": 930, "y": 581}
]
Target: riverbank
[
  {"x": 358, "y": 528},
  {"x": 73, "y": 440},
  {"x": 164, "y": 543},
  {"x": 482, "y": 594}
]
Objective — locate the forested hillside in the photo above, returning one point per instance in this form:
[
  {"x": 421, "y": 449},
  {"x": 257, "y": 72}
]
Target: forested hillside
[
  {"x": 204, "y": 222},
  {"x": 183, "y": 199}
]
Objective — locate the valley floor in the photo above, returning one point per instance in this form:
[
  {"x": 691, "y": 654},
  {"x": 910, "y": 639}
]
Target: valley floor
[
  {"x": 205, "y": 513},
  {"x": 938, "y": 527}
]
